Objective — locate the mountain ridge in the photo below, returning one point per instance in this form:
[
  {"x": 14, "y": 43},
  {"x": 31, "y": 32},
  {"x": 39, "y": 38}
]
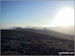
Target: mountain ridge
[{"x": 48, "y": 32}]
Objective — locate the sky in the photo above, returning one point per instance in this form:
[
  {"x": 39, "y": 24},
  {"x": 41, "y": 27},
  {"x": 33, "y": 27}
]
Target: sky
[{"x": 30, "y": 13}]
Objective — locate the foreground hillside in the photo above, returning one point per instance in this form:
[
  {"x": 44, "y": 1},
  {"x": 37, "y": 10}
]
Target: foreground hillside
[{"x": 31, "y": 43}]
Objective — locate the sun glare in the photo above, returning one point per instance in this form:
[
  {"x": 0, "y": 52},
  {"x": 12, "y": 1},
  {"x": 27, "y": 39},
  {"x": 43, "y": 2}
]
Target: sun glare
[{"x": 64, "y": 17}]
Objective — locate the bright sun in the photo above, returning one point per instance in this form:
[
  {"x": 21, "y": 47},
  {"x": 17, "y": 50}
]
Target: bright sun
[{"x": 64, "y": 17}]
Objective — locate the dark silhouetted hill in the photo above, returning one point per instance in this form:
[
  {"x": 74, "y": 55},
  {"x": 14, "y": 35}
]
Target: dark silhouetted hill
[
  {"x": 33, "y": 42},
  {"x": 48, "y": 32}
]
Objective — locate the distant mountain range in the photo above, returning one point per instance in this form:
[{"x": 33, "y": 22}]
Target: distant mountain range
[
  {"x": 61, "y": 32},
  {"x": 52, "y": 31}
]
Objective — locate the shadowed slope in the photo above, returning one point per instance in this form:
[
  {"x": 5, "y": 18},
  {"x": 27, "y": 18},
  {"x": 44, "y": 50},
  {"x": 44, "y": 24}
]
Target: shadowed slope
[{"x": 31, "y": 43}]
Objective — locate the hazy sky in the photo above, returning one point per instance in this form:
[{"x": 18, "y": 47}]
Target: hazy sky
[{"x": 30, "y": 13}]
